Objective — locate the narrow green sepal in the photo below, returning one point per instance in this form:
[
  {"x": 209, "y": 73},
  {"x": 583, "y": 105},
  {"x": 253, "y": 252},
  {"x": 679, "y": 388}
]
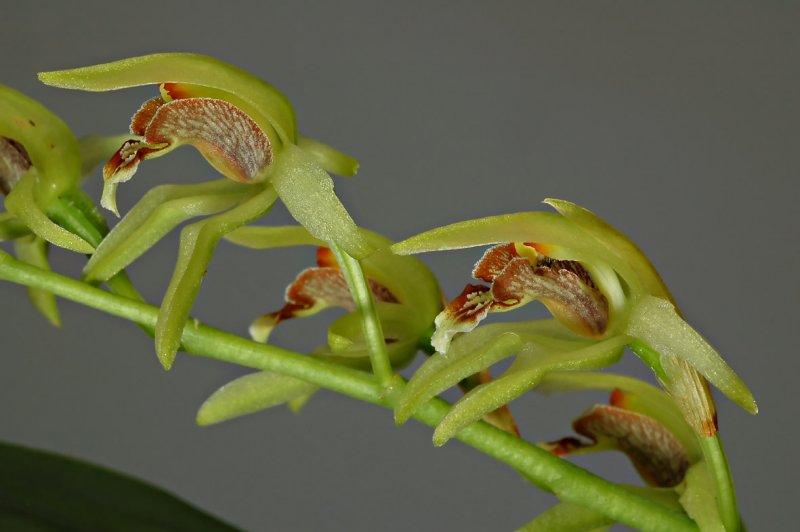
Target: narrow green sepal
[
  {"x": 156, "y": 214},
  {"x": 329, "y": 158},
  {"x": 33, "y": 250},
  {"x": 307, "y": 191},
  {"x": 197, "y": 245},
  {"x": 655, "y": 321}
]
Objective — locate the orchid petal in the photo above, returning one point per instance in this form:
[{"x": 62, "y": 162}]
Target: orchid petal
[
  {"x": 655, "y": 321},
  {"x": 228, "y": 139},
  {"x": 655, "y": 452},
  {"x": 524, "y": 375},
  {"x": 251, "y": 393},
  {"x": 462, "y": 315},
  {"x": 407, "y": 278},
  {"x": 33, "y": 250},
  {"x": 307, "y": 191},
  {"x": 156, "y": 214},
  {"x": 268, "y": 237},
  {"x": 631, "y": 394},
  {"x": 263, "y": 102},
  {"x": 314, "y": 290},
  {"x": 197, "y": 245},
  {"x": 329, "y": 158}
]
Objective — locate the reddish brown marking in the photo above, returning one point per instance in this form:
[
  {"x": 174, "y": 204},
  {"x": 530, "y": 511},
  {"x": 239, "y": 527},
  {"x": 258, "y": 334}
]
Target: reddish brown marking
[
  {"x": 494, "y": 261},
  {"x": 127, "y": 158},
  {"x": 177, "y": 91},
  {"x": 14, "y": 162},
  {"x": 564, "y": 446},
  {"x": 618, "y": 398},
  {"x": 468, "y": 306},
  {"x": 325, "y": 257},
  {"x": 322, "y": 287},
  {"x": 141, "y": 118},
  {"x": 655, "y": 452},
  {"x": 228, "y": 138}
]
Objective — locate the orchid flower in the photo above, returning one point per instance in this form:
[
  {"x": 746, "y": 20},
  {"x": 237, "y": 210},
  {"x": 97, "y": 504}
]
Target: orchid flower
[
  {"x": 604, "y": 294},
  {"x": 644, "y": 423},
  {"x": 41, "y": 163},
  {"x": 245, "y": 128},
  {"x": 407, "y": 299}
]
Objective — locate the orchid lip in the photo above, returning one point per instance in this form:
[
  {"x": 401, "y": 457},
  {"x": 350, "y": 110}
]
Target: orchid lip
[{"x": 227, "y": 137}]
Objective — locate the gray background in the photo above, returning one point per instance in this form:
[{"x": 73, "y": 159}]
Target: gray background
[{"x": 677, "y": 122}]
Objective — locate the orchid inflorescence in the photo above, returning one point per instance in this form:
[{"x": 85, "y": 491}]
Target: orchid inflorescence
[{"x": 603, "y": 293}]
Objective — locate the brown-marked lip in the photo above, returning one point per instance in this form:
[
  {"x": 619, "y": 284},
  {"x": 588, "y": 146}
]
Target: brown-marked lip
[
  {"x": 565, "y": 287},
  {"x": 315, "y": 289},
  {"x": 229, "y": 139},
  {"x": 656, "y": 453},
  {"x": 14, "y": 162}
]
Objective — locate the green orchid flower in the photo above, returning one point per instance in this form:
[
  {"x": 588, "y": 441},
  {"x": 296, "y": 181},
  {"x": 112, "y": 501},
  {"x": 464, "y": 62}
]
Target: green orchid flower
[
  {"x": 39, "y": 161},
  {"x": 246, "y": 130},
  {"x": 604, "y": 294},
  {"x": 407, "y": 299},
  {"x": 242, "y": 125},
  {"x": 642, "y": 422},
  {"x": 41, "y": 164}
]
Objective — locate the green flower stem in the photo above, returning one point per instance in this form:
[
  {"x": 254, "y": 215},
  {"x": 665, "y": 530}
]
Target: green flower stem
[
  {"x": 717, "y": 462},
  {"x": 569, "y": 482},
  {"x": 362, "y": 295}
]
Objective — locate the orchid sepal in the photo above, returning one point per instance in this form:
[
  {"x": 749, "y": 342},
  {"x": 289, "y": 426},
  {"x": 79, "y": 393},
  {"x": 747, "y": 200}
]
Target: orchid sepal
[
  {"x": 329, "y": 158},
  {"x": 656, "y": 322},
  {"x": 274, "y": 109}
]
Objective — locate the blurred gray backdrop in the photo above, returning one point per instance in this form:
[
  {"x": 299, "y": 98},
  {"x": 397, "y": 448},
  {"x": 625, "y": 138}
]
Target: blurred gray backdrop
[{"x": 677, "y": 122}]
